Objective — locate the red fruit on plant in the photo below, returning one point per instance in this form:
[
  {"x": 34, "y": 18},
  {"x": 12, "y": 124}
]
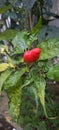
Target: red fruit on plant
[{"x": 32, "y": 55}]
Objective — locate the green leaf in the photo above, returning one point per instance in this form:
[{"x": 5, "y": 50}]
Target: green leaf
[
  {"x": 18, "y": 61},
  {"x": 53, "y": 72},
  {"x": 3, "y": 66},
  {"x": 14, "y": 78},
  {"x": 4, "y": 9},
  {"x": 37, "y": 28},
  {"x": 42, "y": 126},
  {"x": 14, "y": 95},
  {"x": 3, "y": 77},
  {"x": 19, "y": 42},
  {"x": 27, "y": 82},
  {"x": 40, "y": 85},
  {"x": 28, "y": 127},
  {"x": 49, "y": 48},
  {"x": 33, "y": 35},
  {"x": 3, "y": 48},
  {"x": 24, "y": 40},
  {"x": 33, "y": 91},
  {"x": 8, "y": 34}
]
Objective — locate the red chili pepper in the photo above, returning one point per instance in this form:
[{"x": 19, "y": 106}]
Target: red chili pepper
[{"x": 32, "y": 55}]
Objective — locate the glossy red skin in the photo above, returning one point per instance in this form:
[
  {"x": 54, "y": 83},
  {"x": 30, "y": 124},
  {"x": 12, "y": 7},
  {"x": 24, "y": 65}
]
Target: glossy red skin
[{"x": 32, "y": 55}]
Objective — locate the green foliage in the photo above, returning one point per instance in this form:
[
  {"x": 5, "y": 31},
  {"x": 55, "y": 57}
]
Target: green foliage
[
  {"x": 14, "y": 95},
  {"x": 29, "y": 110},
  {"x": 40, "y": 85},
  {"x": 53, "y": 72},
  {"x": 3, "y": 66},
  {"x": 4, "y": 9},
  {"x": 8, "y": 34},
  {"x": 49, "y": 48},
  {"x": 3, "y": 48},
  {"x": 30, "y": 102},
  {"x": 37, "y": 28},
  {"x": 19, "y": 42},
  {"x": 42, "y": 126},
  {"x": 3, "y": 77},
  {"x": 24, "y": 40},
  {"x": 28, "y": 127},
  {"x": 14, "y": 78}
]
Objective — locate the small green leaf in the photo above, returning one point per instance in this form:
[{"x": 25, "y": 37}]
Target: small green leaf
[
  {"x": 28, "y": 127},
  {"x": 53, "y": 72},
  {"x": 14, "y": 78},
  {"x": 42, "y": 126},
  {"x": 3, "y": 78},
  {"x": 24, "y": 40},
  {"x": 4, "y": 9},
  {"x": 34, "y": 91},
  {"x": 3, "y": 48},
  {"x": 49, "y": 48},
  {"x": 27, "y": 82},
  {"x": 3, "y": 66},
  {"x": 40, "y": 85},
  {"x": 8, "y": 34},
  {"x": 19, "y": 42},
  {"x": 34, "y": 32},
  {"x": 37, "y": 28},
  {"x": 14, "y": 94}
]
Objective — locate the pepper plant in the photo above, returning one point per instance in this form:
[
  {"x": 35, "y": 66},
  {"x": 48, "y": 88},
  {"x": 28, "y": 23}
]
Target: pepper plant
[{"x": 27, "y": 81}]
